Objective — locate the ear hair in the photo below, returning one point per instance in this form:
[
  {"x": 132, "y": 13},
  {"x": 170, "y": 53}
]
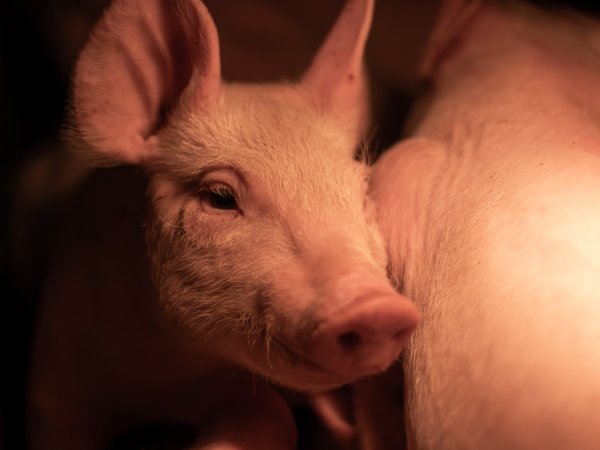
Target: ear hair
[{"x": 143, "y": 57}]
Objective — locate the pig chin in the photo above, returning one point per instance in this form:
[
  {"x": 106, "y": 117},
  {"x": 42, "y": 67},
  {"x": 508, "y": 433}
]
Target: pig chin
[
  {"x": 291, "y": 369},
  {"x": 305, "y": 376}
]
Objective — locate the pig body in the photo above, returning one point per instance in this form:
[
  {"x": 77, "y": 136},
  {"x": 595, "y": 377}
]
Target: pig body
[
  {"x": 492, "y": 213},
  {"x": 250, "y": 212}
]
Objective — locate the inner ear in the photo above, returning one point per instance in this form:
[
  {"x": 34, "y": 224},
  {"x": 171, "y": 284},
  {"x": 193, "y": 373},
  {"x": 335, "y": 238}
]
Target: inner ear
[
  {"x": 336, "y": 75},
  {"x": 144, "y": 57}
]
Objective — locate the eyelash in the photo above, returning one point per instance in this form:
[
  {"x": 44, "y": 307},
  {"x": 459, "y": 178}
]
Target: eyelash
[
  {"x": 219, "y": 197},
  {"x": 220, "y": 189}
]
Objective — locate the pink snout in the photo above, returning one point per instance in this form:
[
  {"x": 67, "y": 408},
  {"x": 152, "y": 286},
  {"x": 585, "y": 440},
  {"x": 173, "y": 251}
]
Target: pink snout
[{"x": 365, "y": 337}]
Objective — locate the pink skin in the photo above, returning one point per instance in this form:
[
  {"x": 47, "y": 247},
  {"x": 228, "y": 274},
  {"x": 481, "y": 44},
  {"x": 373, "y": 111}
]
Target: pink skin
[
  {"x": 492, "y": 215},
  {"x": 267, "y": 263}
]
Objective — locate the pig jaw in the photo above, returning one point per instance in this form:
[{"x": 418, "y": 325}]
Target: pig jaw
[{"x": 291, "y": 285}]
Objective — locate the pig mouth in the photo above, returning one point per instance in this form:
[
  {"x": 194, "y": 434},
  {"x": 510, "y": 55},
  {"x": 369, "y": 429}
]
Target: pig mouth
[
  {"x": 305, "y": 367},
  {"x": 292, "y": 356}
]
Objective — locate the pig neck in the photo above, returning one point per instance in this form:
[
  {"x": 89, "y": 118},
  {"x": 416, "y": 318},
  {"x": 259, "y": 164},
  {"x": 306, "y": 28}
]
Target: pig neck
[{"x": 517, "y": 82}]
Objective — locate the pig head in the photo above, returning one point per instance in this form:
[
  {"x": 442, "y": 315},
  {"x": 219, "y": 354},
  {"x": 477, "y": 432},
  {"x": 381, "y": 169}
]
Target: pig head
[{"x": 262, "y": 241}]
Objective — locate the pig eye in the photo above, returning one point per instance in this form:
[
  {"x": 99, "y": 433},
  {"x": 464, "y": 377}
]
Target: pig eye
[{"x": 219, "y": 196}]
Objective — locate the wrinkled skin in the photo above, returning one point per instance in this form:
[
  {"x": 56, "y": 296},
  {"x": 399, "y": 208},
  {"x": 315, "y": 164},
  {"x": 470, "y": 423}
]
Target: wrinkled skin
[{"x": 492, "y": 215}]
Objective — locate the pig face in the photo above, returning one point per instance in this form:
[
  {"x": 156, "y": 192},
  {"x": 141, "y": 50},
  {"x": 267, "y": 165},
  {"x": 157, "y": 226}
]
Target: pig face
[
  {"x": 261, "y": 233},
  {"x": 261, "y": 239}
]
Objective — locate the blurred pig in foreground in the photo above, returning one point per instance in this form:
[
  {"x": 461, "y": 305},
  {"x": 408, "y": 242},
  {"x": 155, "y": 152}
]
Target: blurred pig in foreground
[
  {"x": 491, "y": 211},
  {"x": 248, "y": 208}
]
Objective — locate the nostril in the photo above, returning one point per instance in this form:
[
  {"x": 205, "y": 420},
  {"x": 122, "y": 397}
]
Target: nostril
[
  {"x": 349, "y": 340},
  {"x": 363, "y": 337}
]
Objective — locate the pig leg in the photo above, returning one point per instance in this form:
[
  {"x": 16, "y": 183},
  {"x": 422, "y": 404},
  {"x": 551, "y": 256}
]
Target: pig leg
[
  {"x": 263, "y": 423},
  {"x": 378, "y": 416},
  {"x": 245, "y": 430},
  {"x": 327, "y": 421}
]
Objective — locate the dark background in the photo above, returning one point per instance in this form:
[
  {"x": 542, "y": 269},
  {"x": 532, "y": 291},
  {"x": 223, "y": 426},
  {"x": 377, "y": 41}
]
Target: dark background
[
  {"x": 33, "y": 91},
  {"x": 39, "y": 40}
]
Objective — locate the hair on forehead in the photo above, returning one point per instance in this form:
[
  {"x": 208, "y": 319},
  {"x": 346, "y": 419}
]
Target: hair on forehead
[{"x": 261, "y": 129}]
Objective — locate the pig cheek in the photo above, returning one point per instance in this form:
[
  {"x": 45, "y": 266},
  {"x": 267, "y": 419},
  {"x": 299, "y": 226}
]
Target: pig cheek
[
  {"x": 286, "y": 305},
  {"x": 201, "y": 284},
  {"x": 232, "y": 289}
]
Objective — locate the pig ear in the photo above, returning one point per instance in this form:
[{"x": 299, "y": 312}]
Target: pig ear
[
  {"x": 453, "y": 18},
  {"x": 336, "y": 74},
  {"x": 141, "y": 57}
]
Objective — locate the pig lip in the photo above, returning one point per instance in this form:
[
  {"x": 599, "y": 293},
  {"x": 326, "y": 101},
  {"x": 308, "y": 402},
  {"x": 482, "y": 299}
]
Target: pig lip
[
  {"x": 296, "y": 357},
  {"x": 301, "y": 362}
]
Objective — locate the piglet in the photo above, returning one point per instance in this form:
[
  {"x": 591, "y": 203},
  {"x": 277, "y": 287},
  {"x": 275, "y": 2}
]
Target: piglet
[{"x": 246, "y": 206}]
